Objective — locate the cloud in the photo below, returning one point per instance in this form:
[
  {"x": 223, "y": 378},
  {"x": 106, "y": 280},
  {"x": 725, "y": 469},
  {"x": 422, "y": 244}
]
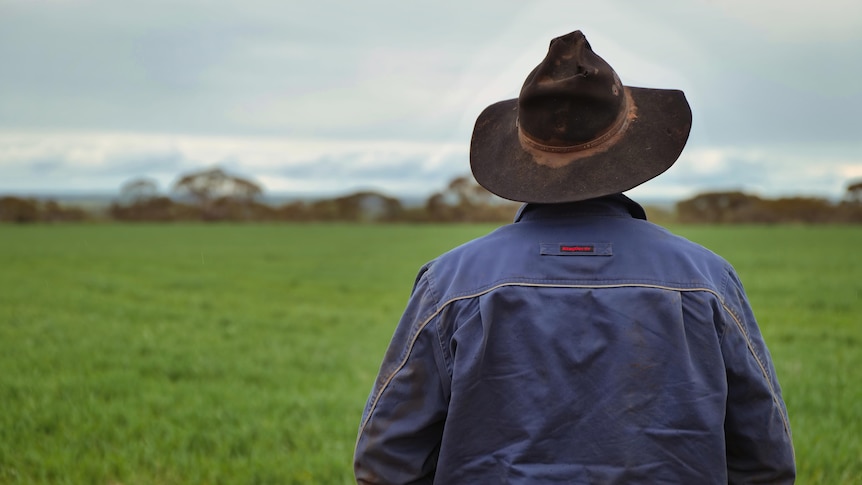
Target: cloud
[
  {"x": 418, "y": 71},
  {"x": 103, "y": 161},
  {"x": 405, "y": 173},
  {"x": 329, "y": 95},
  {"x": 778, "y": 171},
  {"x": 39, "y": 162},
  {"x": 82, "y": 161}
]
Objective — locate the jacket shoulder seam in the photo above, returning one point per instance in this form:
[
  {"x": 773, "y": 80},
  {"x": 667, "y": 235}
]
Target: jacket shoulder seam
[
  {"x": 763, "y": 368},
  {"x": 439, "y": 308}
]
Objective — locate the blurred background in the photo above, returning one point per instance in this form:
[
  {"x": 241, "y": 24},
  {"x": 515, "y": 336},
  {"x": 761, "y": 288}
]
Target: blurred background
[{"x": 110, "y": 101}]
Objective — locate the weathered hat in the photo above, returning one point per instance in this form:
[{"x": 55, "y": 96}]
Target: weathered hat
[{"x": 575, "y": 132}]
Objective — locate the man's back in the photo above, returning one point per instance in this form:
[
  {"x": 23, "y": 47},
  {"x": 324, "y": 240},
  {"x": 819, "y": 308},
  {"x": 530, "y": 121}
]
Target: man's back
[{"x": 579, "y": 345}]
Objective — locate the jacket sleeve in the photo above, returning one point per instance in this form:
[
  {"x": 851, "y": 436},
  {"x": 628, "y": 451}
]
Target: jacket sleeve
[
  {"x": 402, "y": 425},
  {"x": 757, "y": 430}
]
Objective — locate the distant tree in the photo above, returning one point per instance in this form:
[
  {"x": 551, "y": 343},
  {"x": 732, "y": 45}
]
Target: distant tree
[
  {"x": 238, "y": 209},
  {"x": 140, "y": 201},
  {"x": 367, "y": 207},
  {"x": 854, "y": 192},
  {"x": 811, "y": 210},
  {"x": 737, "y": 207},
  {"x": 207, "y": 185},
  {"x": 21, "y": 210},
  {"x": 722, "y": 207},
  {"x": 244, "y": 189},
  {"x": 293, "y": 211},
  {"x": 16, "y": 209},
  {"x": 323, "y": 210},
  {"x": 161, "y": 209},
  {"x": 469, "y": 193},
  {"x": 436, "y": 207},
  {"x": 850, "y": 209},
  {"x": 464, "y": 200},
  {"x": 52, "y": 211},
  {"x": 849, "y": 212},
  {"x": 139, "y": 190},
  {"x": 217, "y": 193}
]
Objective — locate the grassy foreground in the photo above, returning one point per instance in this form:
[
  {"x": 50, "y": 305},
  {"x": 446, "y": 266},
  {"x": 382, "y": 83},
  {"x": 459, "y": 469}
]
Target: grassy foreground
[{"x": 224, "y": 354}]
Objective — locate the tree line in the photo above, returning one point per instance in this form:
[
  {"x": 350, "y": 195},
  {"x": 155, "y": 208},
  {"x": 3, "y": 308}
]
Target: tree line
[
  {"x": 738, "y": 207},
  {"x": 216, "y": 195}
]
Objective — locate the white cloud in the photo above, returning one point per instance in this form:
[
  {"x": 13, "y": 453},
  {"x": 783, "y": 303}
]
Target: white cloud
[
  {"x": 706, "y": 161},
  {"x": 771, "y": 171},
  {"x": 850, "y": 171},
  {"x": 34, "y": 162}
]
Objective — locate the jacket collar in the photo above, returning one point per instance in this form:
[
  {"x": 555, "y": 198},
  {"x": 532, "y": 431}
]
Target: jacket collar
[{"x": 609, "y": 205}]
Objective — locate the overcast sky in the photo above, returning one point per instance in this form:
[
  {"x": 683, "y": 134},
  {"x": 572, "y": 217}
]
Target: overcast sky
[{"x": 324, "y": 96}]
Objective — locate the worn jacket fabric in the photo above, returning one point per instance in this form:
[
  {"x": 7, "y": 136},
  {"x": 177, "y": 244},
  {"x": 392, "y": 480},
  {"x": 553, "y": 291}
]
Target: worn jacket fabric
[{"x": 581, "y": 344}]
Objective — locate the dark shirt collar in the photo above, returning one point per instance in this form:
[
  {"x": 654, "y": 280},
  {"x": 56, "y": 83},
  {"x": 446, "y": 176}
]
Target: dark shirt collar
[{"x": 609, "y": 205}]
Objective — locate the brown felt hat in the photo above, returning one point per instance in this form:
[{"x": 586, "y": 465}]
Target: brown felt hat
[{"x": 575, "y": 132}]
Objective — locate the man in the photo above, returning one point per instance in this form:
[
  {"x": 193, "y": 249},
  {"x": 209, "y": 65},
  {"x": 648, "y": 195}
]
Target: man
[{"x": 581, "y": 344}]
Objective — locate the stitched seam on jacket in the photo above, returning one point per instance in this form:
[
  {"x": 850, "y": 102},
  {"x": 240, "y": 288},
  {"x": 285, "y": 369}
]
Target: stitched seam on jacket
[
  {"x": 421, "y": 327},
  {"x": 581, "y": 283},
  {"x": 763, "y": 371}
]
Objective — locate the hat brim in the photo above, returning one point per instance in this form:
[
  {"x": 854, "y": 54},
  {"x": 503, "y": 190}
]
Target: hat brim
[{"x": 652, "y": 141}]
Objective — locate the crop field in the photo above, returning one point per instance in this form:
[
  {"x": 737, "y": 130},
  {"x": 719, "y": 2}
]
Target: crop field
[{"x": 243, "y": 354}]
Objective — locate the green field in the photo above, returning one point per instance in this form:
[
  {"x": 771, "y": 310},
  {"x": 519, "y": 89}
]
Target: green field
[{"x": 243, "y": 354}]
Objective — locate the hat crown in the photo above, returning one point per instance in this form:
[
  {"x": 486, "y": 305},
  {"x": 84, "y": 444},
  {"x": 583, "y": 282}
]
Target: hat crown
[
  {"x": 572, "y": 97},
  {"x": 575, "y": 132}
]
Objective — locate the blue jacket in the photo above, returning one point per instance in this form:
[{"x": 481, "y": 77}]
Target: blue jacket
[{"x": 581, "y": 344}]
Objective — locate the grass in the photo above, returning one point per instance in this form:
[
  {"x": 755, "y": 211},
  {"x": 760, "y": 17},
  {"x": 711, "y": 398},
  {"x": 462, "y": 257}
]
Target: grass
[{"x": 222, "y": 354}]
